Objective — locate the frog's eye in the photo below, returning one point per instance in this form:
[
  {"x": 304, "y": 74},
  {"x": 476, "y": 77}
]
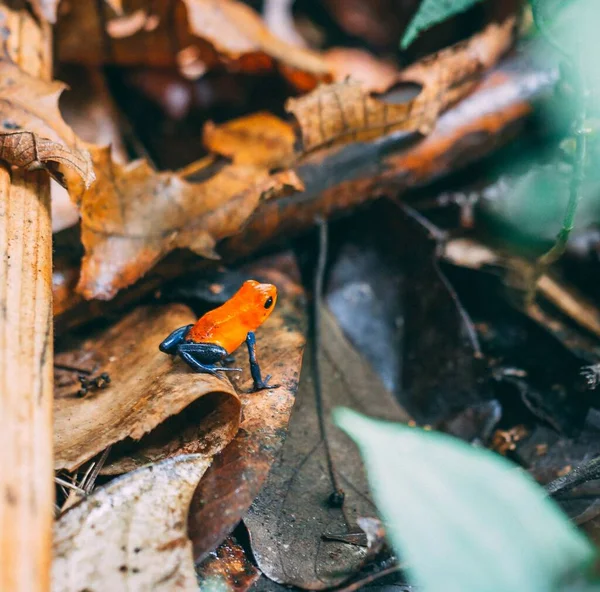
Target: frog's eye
[{"x": 269, "y": 302}]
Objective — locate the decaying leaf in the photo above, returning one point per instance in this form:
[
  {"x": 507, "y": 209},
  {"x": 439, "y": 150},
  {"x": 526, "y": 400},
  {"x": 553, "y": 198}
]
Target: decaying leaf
[
  {"x": 227, "y": 568},
  {"x": 236, "y": 476},
  {"x": 260, "y": 139},
  {"x": 32, "y": 131},
  {"x": 205, "y": 427},
  {"x": 293, "y": 511},
  {"x": 211, "y": 33},
  {"x": 131, "y": 534},
  {"x": 146, "y": 387},
  {"x": 346, "y": 112},
  {"x": 134, "y": 216}
]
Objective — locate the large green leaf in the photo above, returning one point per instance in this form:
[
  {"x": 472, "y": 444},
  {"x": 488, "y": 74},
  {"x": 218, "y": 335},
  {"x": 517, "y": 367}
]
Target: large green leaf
[
  {"x": 432, "y": 12},
  {"x": 463, "y": 518}
]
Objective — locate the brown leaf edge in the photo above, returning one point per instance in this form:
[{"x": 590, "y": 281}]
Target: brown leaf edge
[{"x": 33, "y": 134}]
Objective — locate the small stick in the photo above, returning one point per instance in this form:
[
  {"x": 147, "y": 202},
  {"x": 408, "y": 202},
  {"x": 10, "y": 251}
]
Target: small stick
[
  {"x": 354, "y": 587},
  {"x": 69, "y": 485},
  {"x": 90, "y": 482}
]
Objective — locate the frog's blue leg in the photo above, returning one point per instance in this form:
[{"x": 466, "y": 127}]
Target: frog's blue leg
[
  {"x": 202, "y": 357},
  {"x": 259, "y": 383},
  {"x": 169, "y": 345}
]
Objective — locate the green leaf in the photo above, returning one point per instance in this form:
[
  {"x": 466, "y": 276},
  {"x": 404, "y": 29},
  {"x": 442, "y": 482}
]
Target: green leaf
[
  {"x": 463, "y": 518},
  {"x": 432, "y": 12}
]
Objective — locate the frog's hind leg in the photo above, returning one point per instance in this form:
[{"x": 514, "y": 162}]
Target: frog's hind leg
[
  {"x": 202, "y": 357},
  {"x": 170, "y": 344}
]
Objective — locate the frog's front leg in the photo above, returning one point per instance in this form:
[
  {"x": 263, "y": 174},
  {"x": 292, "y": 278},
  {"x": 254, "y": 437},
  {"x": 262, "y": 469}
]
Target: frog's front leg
[
  {"x": 202, "y": 357},
  {"x": 259, "y": 383}
]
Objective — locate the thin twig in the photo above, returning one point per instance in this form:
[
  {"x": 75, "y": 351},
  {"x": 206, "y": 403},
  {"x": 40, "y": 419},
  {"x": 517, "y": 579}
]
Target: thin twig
[
  {"x": 373, "y": 577},
  {"x": 336, "y": 497},
  {"x": 69, "y": 368},
  {"x": 69, "y": 485},
  {"x": 89, "y": 486},
  {"x": 87, "y": 474}
]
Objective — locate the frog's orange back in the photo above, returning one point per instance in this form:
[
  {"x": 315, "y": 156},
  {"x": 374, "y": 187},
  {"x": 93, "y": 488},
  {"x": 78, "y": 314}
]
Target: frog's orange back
[{"x": 229, "y": 324}]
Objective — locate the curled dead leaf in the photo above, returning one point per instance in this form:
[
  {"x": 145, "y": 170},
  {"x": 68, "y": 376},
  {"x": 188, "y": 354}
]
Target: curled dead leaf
[
  {"x": 134, "y": 216},
  {"x": 33, "y": 133},
  {"x": 131, "y": 534},
  {"x": 146, "y": 387},
  {"x": 346, "y": 112},
  {"x": 260, "y": 139}
]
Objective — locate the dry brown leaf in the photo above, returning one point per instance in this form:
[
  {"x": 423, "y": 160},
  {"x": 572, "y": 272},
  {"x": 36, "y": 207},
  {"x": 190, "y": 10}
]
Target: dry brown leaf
[
  {"x": 131, "y": 534},
  {"x": 260, "y": 139},
  {"x": 146, "y": 388},
  {"x": 32, "y": 131},
  {"x": 346, "y": 112},
  {"x": 219, "y": 32},
  {"x": 134, "y": 216},
  {"x": 205, "y": 427}
]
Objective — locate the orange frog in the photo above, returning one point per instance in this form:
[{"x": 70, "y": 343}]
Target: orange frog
[{"x": 221, "y": 331}]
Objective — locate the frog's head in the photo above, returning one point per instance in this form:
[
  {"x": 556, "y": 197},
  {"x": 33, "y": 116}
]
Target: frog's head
[{"x": 260, "y": 297}]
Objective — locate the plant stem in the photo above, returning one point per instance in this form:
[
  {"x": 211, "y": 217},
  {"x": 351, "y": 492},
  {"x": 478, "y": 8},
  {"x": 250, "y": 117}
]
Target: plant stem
[
  {"x": 581, "y": 134},
  {"x": 577, "y": 178}
]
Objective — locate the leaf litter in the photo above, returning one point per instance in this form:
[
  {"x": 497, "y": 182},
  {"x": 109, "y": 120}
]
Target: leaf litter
[{"x": 116, "y": 391}]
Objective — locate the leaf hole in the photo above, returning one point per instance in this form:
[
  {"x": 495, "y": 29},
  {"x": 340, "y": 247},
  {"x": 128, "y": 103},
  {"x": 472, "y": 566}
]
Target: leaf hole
[{"x": 400, "y": 93}]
